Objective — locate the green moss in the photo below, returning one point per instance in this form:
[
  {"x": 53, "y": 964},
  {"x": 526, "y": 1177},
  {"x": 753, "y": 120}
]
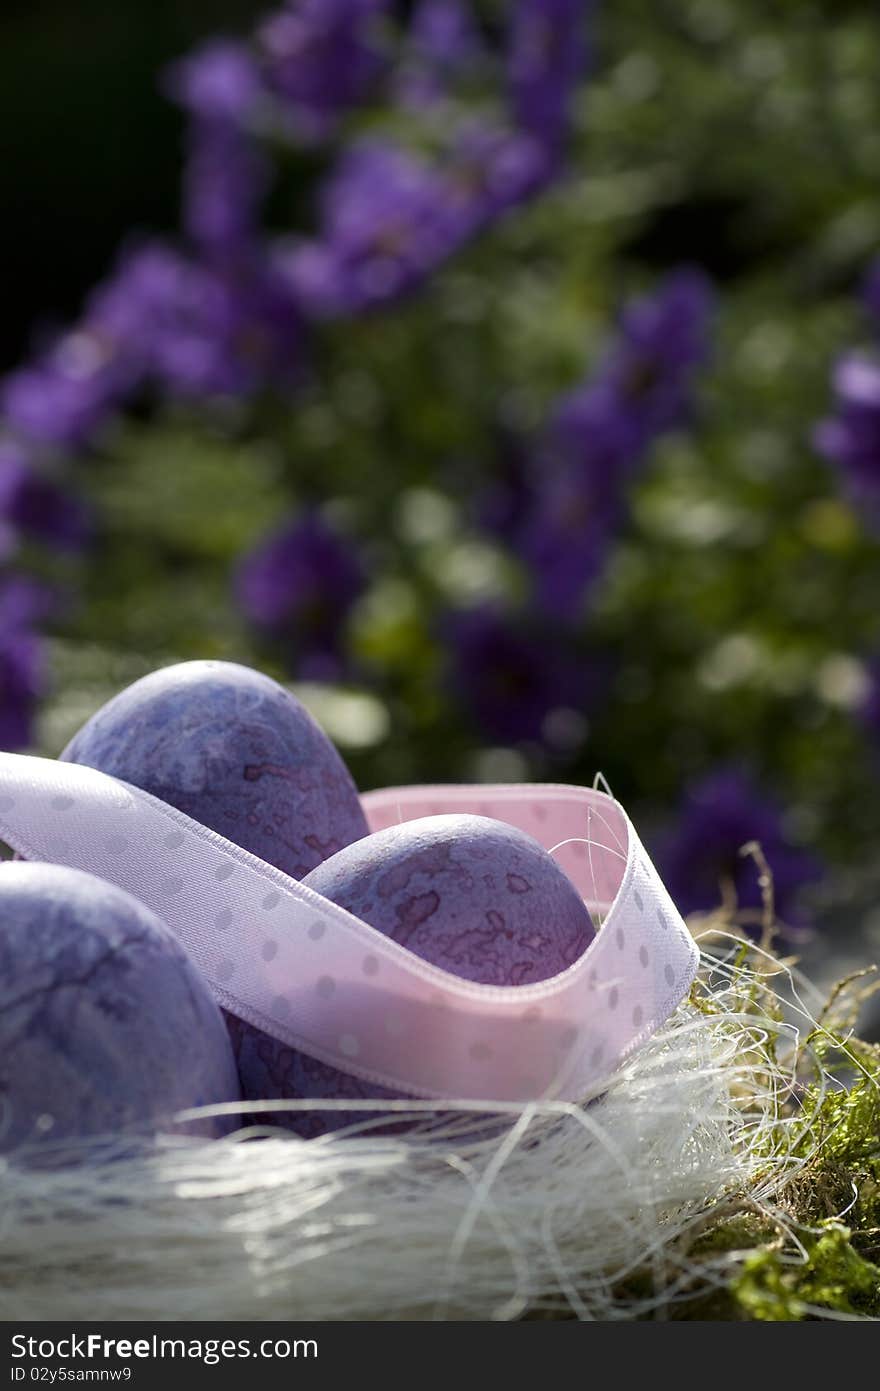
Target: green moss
[
  {"x": 812, "y": 1249},
  {"x": 832, "y": 1278}
]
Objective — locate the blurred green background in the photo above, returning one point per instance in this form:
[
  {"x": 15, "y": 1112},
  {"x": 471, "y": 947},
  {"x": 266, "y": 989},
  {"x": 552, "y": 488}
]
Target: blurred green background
[{"x": 736, "y": 617}]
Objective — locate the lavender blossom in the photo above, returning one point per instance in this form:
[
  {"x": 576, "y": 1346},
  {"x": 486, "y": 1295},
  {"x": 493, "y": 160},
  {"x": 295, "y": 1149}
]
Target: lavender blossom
[
  {"x": 21, "y": 685},
  {"x": 566, "y": 539},
  {"x": 663, "y": 340},
  {"x": 599, "y": 433},
  {"x": 227, "y": 175},
  {"x": 700, "y": 860},
  {"x": 547, "y": 57},
  {"x": 389, "y": 218},
  {"x": 489, "y": 170},
  {"x": 300, "y": 586},
  {"x": 25, "y": 602},
  {"x": 22, "y": 603},
  {"x": 510, "y": 673},
  {"x": 196, "y": 330},
  {"x": 221, "y": 81},
  {"x": 62, "y": 400},
  {"x": 35, "y": 506},
  {"x": 385, "y": 224},
  {"x": 321, "y": 58},
  {"x": 225, "y": 182},
  {"x": 851, "y": 438},
  {"x": 443, "y": 49}
]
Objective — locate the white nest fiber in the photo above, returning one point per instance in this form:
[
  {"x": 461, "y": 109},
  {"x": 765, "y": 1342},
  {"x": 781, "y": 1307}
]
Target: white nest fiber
[{"x": 563, "y": 1211}]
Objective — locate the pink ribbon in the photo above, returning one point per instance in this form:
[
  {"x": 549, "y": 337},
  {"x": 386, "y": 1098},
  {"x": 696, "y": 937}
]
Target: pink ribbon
[{"x": 287, "y": 960}]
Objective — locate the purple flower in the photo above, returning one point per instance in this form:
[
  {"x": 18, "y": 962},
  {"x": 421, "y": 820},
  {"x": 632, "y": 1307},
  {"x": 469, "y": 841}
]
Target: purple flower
[
  {"x": 385, "y": 225},
  {"x": 36, "y": 506},
  {"x": 565, "y": 540},
  {"x": 510, "y": 672},
  {"x": 490, "y": 169},
  {"x": 321, "y": 58},
  {"x": 224, "y": 186},
  {"x": 221, "y": 87},
  {"x": 21, "y": 684},
  {"x": 389, "y": 218},
  {"x": 300, "y": 586},
  {"x": 721, "y": 814},
  {"x": 599, "y": 433},
  {"x": 547, "y": 57},
  {"x": 851, "y": 438},
  {"x": 443, "y": 48},
  {"x": 197, "y": 330},
  {"x": 22, "y": 602},
  {"x": 220, "y": 81},
  {"x": 62, "y": 400},
  {"x": 443, "y": 33},
  {"x": 663, "y": 339}
]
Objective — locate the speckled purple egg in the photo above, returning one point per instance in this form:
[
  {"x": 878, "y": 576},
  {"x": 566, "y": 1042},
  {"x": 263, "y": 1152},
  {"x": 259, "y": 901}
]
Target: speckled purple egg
[
  {"x": 470, "y": 894},
  {"x": 239, "y": 753},
  {"x": 105, "y": 1023},
  {"x": 235, "y": 751}
]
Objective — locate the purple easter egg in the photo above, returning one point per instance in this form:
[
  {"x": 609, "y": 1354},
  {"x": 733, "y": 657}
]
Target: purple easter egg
[
  {"x": 235, "y": 751},
  {"x": 106, "y": 1026},
  {"x": 470, "y": 894}
]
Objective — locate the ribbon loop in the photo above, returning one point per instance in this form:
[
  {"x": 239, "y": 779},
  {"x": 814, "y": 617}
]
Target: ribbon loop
[{"x": 285, "y": 959}]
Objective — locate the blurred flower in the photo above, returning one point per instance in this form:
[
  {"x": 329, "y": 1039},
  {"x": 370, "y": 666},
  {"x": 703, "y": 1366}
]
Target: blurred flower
[
  {"x": 226, "y": 175},
  {"x": 565, "y": 541},
  {"x": 35, "y": 506},
  {"x": 700, "y": 859},
  {"x": 321, "y": 58},
  {"x": 491, "y": 169},
  {"x": 22, "y": 603},
  {"x": 851, "y": 438},
  {"x": 300, "y": 585},
  {"x": 220, "y": 81},
  {"x": 225, "y": 183},
  {"x": 510, "y": 673},
  {"x": 443, "y": 49},
  {"x": 196, "y": 330},
  {"x": 389, "y": 217},
  {"x": 599, "y": 433},
  {"x": 61, "y": 401},
  {"x": 385, "y": 225},
  {"x": 547, "y": 56},
  {"x": 21, "y": 685},
  {"x": 663, "y": 338}
]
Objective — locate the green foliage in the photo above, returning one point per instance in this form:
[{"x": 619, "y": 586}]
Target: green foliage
[
  {"x": 832, "y": 1278},
  {"x": 736, "y": 611}
]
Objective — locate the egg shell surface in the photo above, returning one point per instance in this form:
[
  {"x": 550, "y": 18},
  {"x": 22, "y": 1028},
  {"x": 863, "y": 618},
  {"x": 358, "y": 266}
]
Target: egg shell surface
[
  {"x": 105, "y": 1023},
  {"x": 470, "y": 894},
  {"x": 234, "y": 750}
]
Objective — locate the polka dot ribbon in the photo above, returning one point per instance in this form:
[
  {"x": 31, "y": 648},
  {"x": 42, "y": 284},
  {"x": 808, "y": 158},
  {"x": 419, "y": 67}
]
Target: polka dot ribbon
[{"x": 287, "y": 960}]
